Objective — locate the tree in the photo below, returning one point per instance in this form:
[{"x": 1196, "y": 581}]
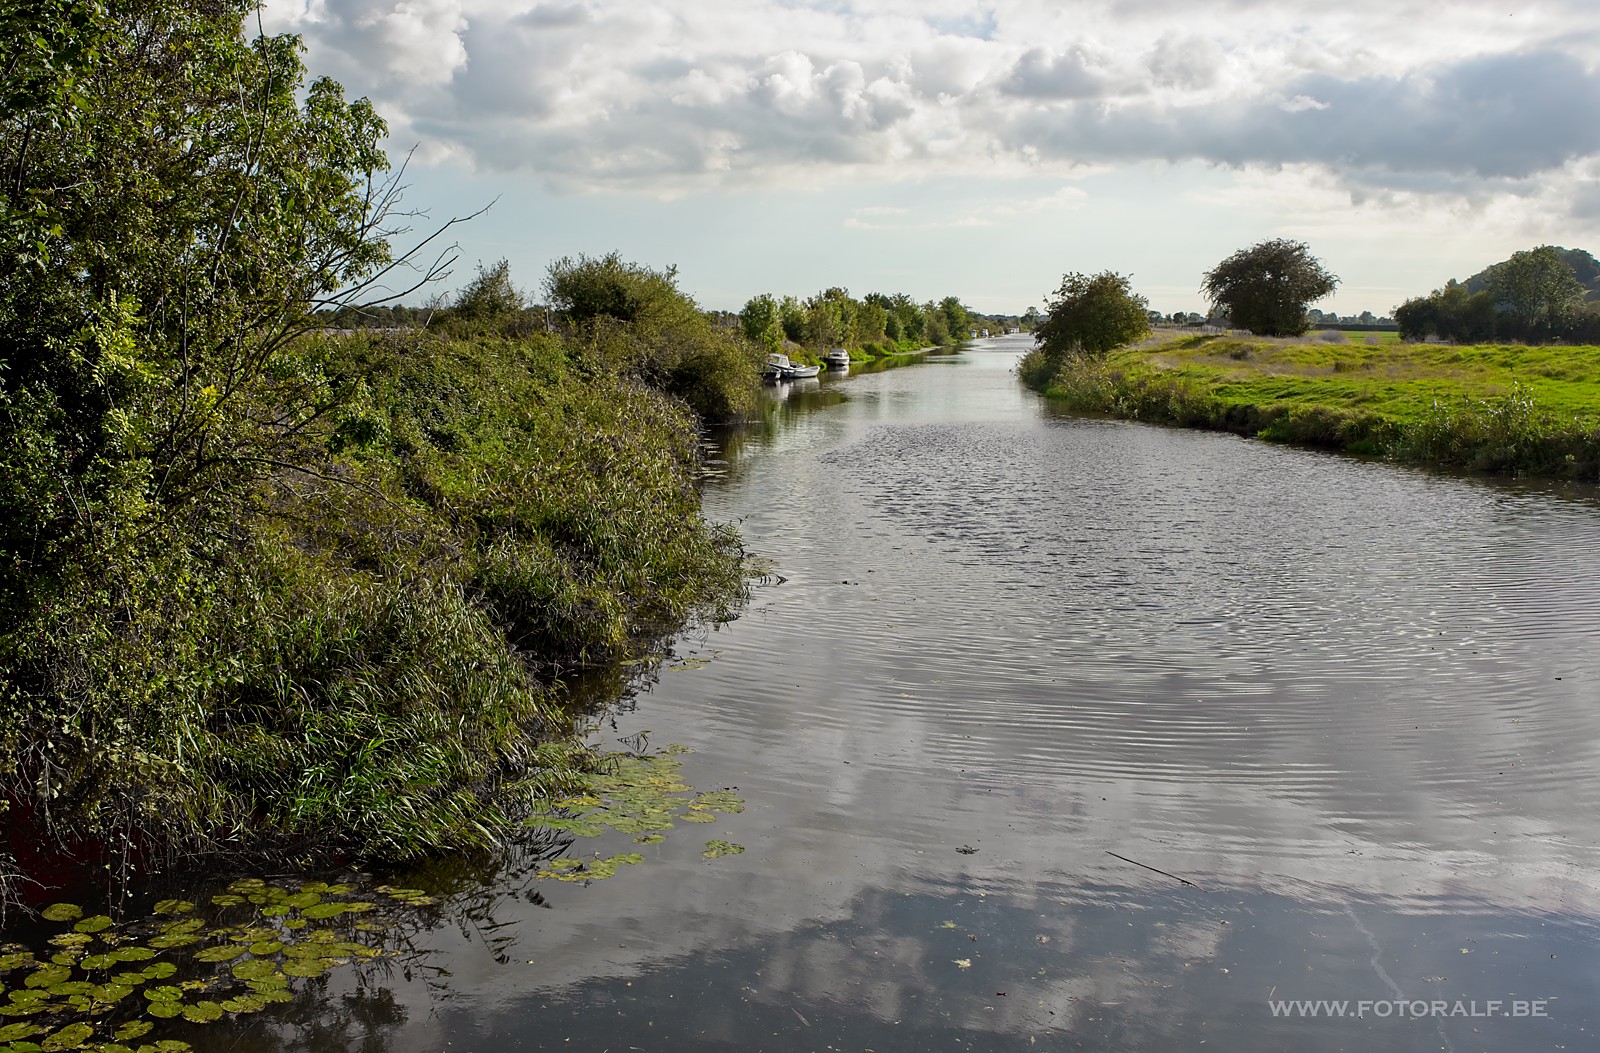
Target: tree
[
  {"x": 762, "y": 322},
  {"x": 177, "y": 203},
  {"x": 1267, "y": 287},
  {"x": 1092, "y": 315},
  {"x": 1537, "y": 292},
  {"x": 490, "y": 298}
]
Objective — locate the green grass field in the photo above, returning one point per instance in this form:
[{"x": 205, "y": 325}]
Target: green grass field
[
  {"x": 1394, "y": 380},
  {"x": 1507, "y": 408}
]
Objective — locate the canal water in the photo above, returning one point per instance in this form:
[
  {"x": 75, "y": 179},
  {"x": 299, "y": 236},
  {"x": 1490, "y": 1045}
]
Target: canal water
[{"x": 1070, "y": 734}]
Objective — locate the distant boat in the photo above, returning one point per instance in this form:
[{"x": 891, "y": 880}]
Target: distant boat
[
  {"x": 838, "y": 358},
  {"x": 780, "y": 368}
]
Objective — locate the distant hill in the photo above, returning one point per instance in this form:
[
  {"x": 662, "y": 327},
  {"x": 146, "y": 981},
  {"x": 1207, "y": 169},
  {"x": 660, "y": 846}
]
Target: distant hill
[{"x": 1584, "y": 265}]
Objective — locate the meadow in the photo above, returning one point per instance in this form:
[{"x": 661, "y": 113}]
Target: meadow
[{"x": 1492, "y": 407}]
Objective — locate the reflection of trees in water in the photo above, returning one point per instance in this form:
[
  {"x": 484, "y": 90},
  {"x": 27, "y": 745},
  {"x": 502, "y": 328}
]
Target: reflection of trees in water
[{"x": 367, "y": 1019}]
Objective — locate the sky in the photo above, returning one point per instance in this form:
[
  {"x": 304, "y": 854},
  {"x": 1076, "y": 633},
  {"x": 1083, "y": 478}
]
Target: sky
[{"x": 982, "y": 150}]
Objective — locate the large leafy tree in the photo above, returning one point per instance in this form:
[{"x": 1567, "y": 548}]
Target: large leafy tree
[
  {"x": 1091, "y": 315},
  {"x": 1267, "y": 287},
  {"x": 1536, "y": 291},
  {"x": 176, "y": 201}
]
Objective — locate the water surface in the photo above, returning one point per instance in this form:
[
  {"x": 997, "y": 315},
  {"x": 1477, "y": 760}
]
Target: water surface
[{"x": 1006, "y": 657}]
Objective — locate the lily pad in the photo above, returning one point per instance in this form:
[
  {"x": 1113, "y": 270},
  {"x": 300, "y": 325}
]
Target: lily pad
[
  {"x": 62, "y": 912},
  {"x": 305, "y": 967},
  {"x": 255, "y": 969},
  {"x": 18, "y": 1031},
  {"x": 173, "y": 906},
  {"x": 73, "y": 1036},
  {"x": 226, "y": 952},
  {"x": 131, "y": 954},
  {"x": 324, "y": 910},
  {"x": 133, "y": 1029},
  {"x": 716, "y": 849},
  {"x": 202, "y": 1012}
]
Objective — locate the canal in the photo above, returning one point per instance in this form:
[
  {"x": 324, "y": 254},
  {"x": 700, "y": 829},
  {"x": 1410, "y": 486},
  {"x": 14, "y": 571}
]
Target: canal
[{"x": 1062, "y": 734}]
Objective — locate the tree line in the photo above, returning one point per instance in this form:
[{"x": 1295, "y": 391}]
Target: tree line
[{"x": 1533, "y": 297}]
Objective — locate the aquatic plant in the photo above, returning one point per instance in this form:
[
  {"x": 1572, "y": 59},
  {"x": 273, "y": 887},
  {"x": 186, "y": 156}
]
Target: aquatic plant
[
  {"x": 639, "y": 794},
  {"x": 105, "y": 987}
]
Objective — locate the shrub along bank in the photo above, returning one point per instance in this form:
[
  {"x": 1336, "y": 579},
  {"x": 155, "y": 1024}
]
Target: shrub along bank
[
  {"x": 1494, "y": 408},
  {"x": 263, "y": 586}
]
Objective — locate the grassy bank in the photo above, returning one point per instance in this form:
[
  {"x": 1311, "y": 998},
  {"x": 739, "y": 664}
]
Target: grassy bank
[
  {"x": 1494, "y": 408},
  {"x": 356, "y": 647}
]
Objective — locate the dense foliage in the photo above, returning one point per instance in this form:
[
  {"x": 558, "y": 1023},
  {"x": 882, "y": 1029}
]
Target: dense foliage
[
  {"x": 626, "y": 317},
  {"x": 1267, "y": 287},
  {"x": 1533, "y": 297},
  {"x": 1092, "y": 315},
  {"x": 260, "y": 584},
  {"x": 870, "y": 327}
]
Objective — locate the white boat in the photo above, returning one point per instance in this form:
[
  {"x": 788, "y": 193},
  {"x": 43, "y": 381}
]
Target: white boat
[
  {"x": 838, "y": 358},
  {"x": 780, "y": 368}
]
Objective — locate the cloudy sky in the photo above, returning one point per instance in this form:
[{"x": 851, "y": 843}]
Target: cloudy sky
[{"x": 944, "y": 147}]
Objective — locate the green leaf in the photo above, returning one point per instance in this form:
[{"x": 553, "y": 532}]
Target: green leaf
[
  {"x": 134, "y": 1029},
  {"x": 202, "y": 1012},
  {"x": 62, "y": 912},
  {"x": 73, "y": 1036}
]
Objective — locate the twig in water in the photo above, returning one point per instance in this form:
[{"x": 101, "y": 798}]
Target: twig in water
[{"x": 1147, "y": 866}]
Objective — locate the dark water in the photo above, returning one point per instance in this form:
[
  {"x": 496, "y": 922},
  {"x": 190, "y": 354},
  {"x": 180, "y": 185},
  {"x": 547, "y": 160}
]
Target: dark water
[{"x": 1351, "y": 710}]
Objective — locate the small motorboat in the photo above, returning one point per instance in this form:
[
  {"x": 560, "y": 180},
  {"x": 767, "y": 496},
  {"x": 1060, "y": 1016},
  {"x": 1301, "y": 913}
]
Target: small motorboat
[
  {"x": 838, "y": 358},
  {"x": 780, "y": 368}
]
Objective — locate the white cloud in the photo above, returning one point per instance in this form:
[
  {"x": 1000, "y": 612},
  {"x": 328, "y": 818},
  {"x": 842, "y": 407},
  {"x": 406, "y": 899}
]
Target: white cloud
[{"x": 603, "y": 93}]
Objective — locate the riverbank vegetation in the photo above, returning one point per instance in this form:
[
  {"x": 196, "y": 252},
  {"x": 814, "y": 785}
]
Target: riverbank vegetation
[
  {"x": 870, "y": 328},
  {"x": 1502, "y": 408},
  {"x": 267, "y": 586}
]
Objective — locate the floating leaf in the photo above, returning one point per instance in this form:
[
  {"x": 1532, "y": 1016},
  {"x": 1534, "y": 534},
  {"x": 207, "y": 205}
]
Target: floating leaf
[
  {"x": 164, "y": 994},
  {"x": 17, "y": 1031},
  {"x": 249, "y": 884},
  {"x": 302, "y": 900},
  {"x": 650, "y": 839},
  {"x": 265, "y": 948},
  {"x": 226, "y": 952},
  {"x": 255, "y": 969},
  {"x": 47, "y": 976},
  {"x": 16, "y": 960},
  {"x": 133, "y": 1029},
  {"x": 72, "y": 939},
  {"x": 202, "y": 1012},
  {"x": 98, "y": 923},
  {"x": 73, "y": 1036},
  {"x": 165, "y": 1010},
  {"x": 173, "y": 906},
  {"x": 62, "y": 912},
  {"x": 131, "y": 954},
  {"x": 160, "y": 970},
  {"x": 244, "y": 1003},
  {"x": 324, "y": 910},
  {"x": 305, "y": 967},
  {"x": 174, "y": 939},
  {"x": 98, "y": 961},
  {"x": 227, "y": 900},
  {"x": 716, "y": 849},
  {"x": 129, "y": 978}
]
